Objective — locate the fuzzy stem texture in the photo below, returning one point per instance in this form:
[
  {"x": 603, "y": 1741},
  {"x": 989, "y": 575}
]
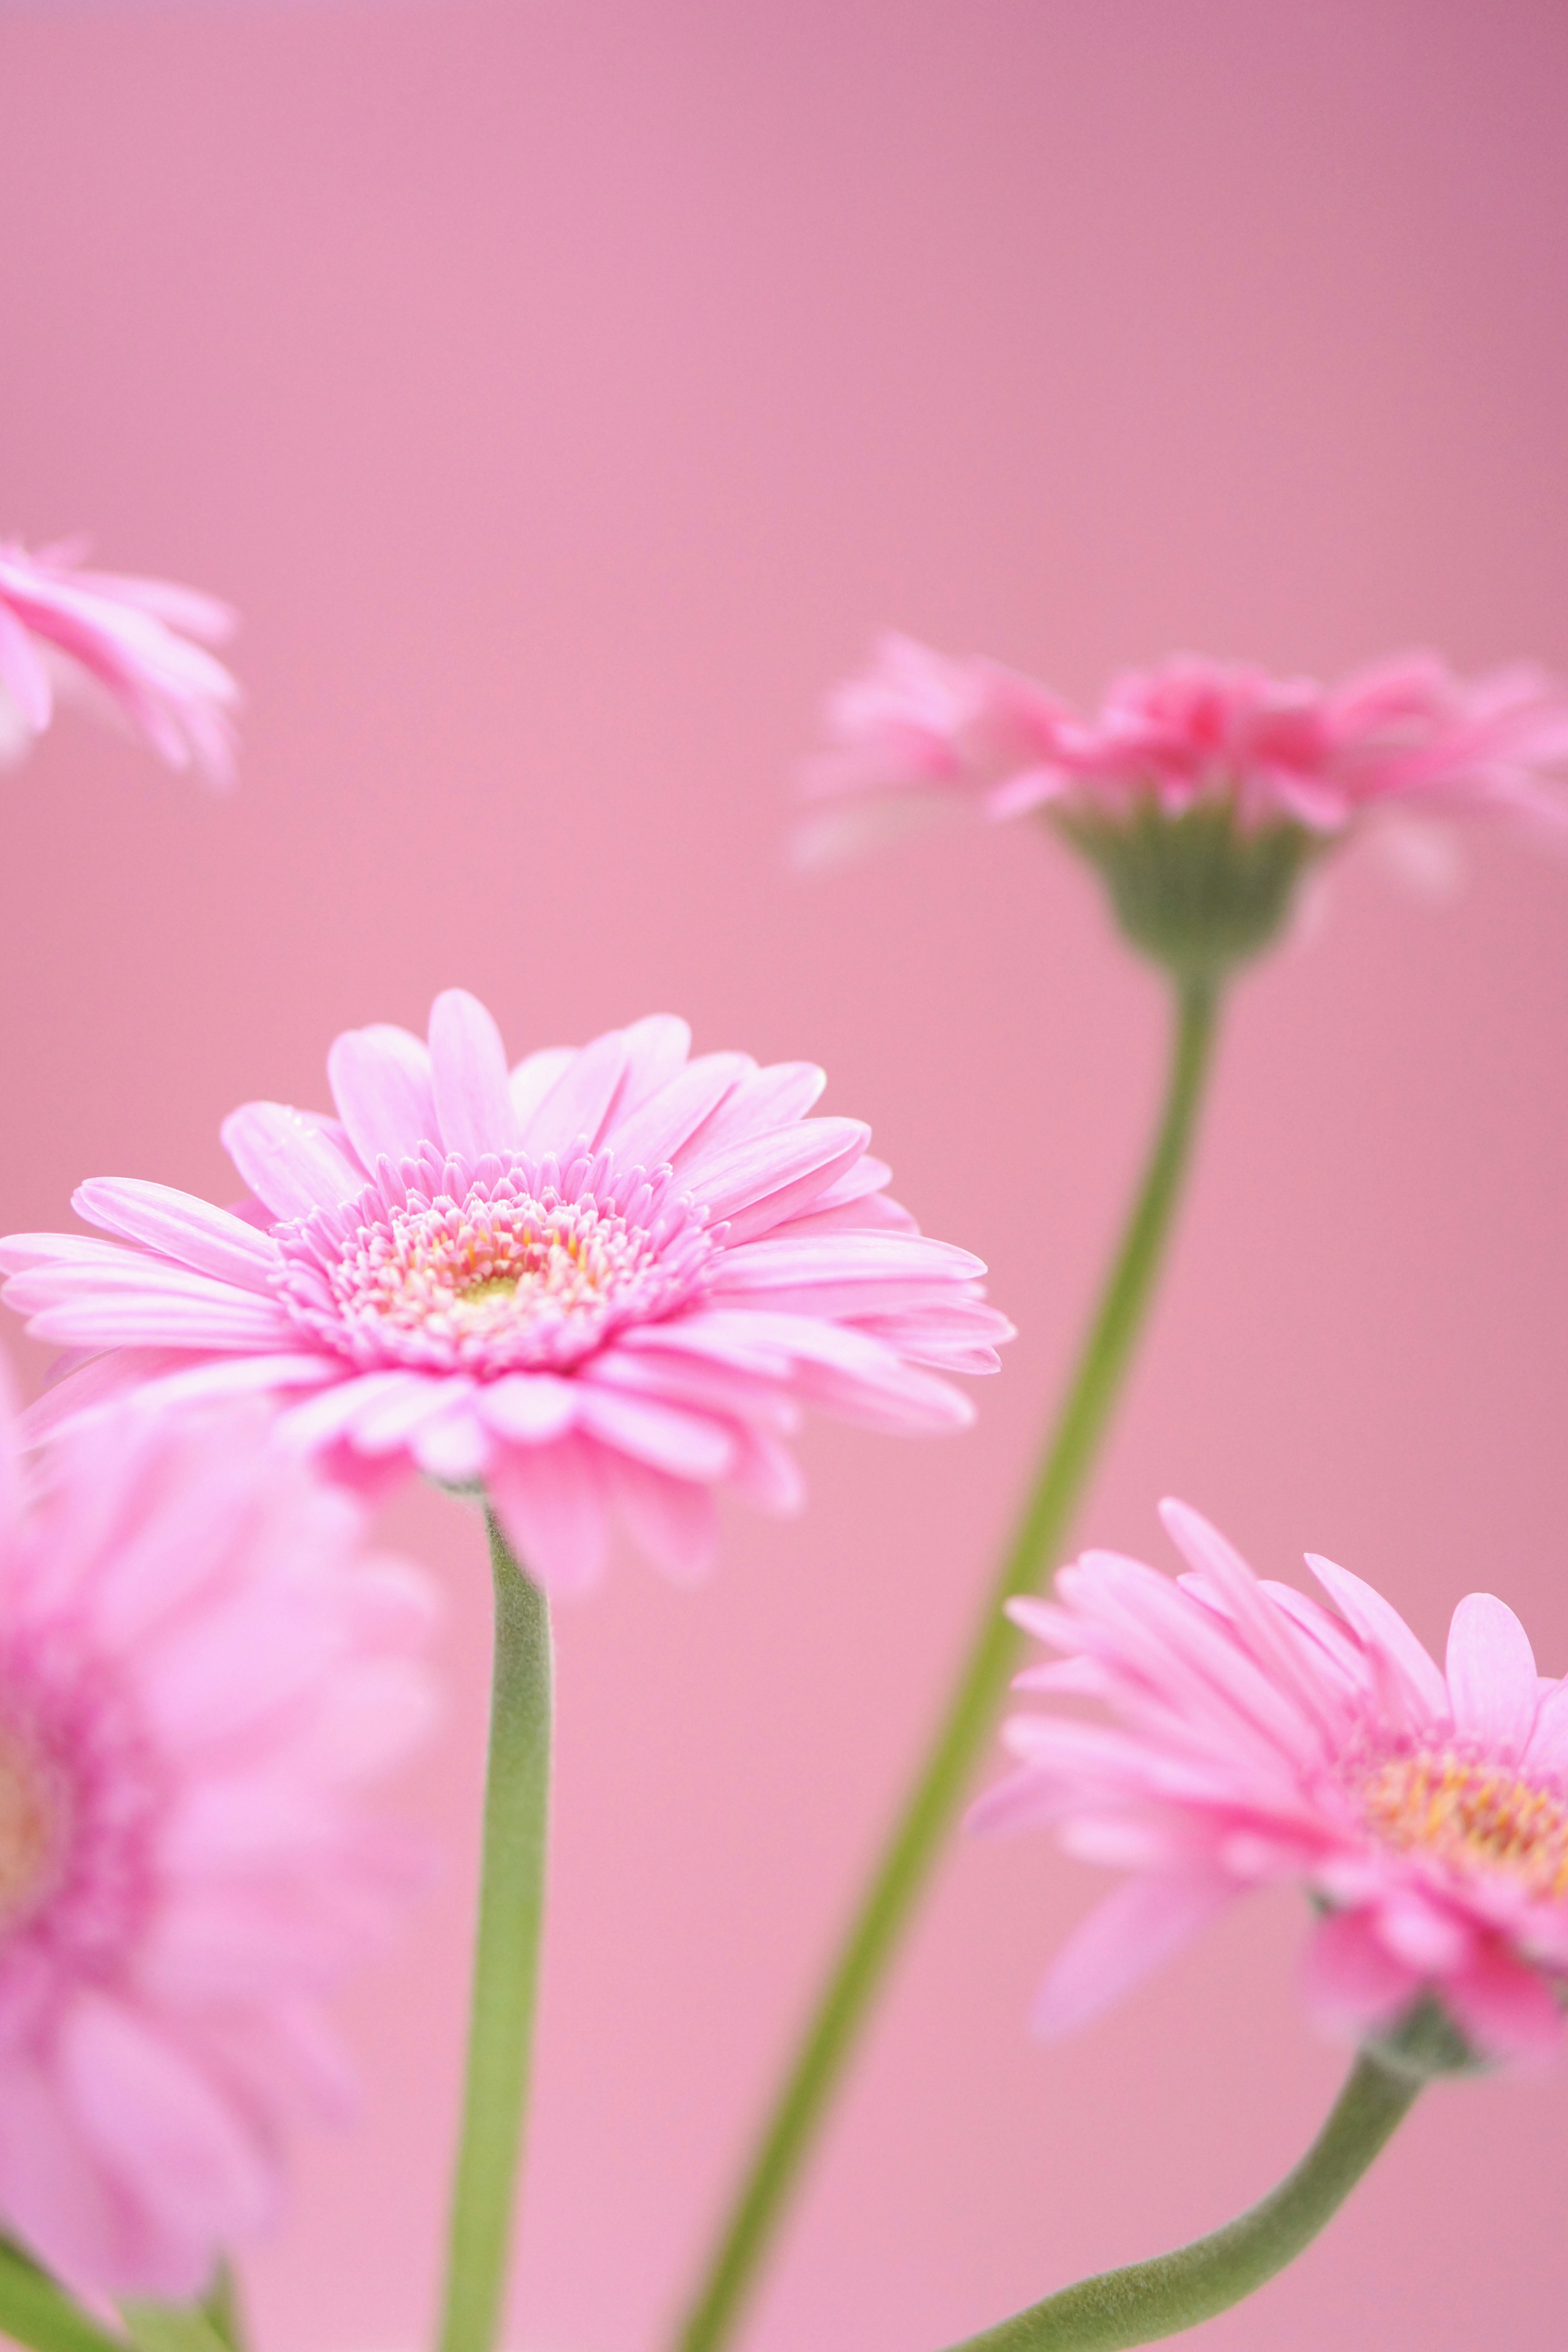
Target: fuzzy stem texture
[
  {"x": 1149, "y": 2300},
  {"x": 506, "y": 1956},
  {"x": 944, "y": 1777}
]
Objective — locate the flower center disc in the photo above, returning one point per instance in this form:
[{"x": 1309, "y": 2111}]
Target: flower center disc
[
  {"x": 512, "y": 1267},
  {"x": 1473, "y": 1816},
  {"x": 30, "y": 1827}
]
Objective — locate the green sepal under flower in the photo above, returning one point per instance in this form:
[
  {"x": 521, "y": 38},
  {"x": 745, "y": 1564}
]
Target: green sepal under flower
[{"x": 1198, "y": 892}]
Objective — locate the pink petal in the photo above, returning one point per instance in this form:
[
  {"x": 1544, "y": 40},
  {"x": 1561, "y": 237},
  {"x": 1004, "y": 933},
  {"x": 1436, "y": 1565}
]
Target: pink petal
[
  {"x": 381, "y": 1083},
  {"x": 80, "y": 2220},
  {"x": 580, "y": 1099},
  {"x": 21, "y": 672},
  {"x": 472, "y": 1086},
  {"x": 764, "y": 1099},
  {"x": 288, "y": 1161},
  {"x": 671, "y": 1520},
  {"x": 1493, "y": 1679},
  {"x": 657, "y": 1129},
  {"x": 532, "y": 1079},
  {"x": 403, "y": 1402},
  {"x": 1383, "y": 1630},
  {"x": 551, "y": 1501},
  {"x": 1505, "y": 2009},
  {"x": 455, "y": 1447},
  {"x": 657, "y": 1046},
  {"x": 754, "y": 1185},
  {"x": 875, "y": 1273},
  {"x": 1351, "y": 1980},
  {"x": 163, "y": 1319},
  {"x": 1270, "y": 1637},
  {"x": 191, "y": 1230},
  {"x": 154, "y": 2118},
  {"x": 529, "y": 1408},
  {"x": 1129, "y": 1936},
  {"x": 1425, "y": 1935},
  {"x": 1548, "y": 1750},
  {"x": 687, "y": 1444}
]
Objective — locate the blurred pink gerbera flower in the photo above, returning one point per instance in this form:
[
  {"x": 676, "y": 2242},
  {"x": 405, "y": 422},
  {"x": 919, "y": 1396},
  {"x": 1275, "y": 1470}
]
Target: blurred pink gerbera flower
[
  {"x": 1260, "y": 1739},
  {"x": 917, "y": 732},
  {"x": 124, "y": 638},
  {"x": 195, "y": 1674},
  {"x": 608, "y": 1277}
]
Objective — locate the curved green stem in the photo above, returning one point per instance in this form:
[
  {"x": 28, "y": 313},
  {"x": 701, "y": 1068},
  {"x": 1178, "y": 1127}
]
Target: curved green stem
[
  {"x": 1149, "y": 2300},
  {"x": 944, "y": 1777},
  {"x": 506, "y": 1956}
]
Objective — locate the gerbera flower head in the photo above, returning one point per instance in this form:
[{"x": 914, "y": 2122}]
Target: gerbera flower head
[
  {"x": 1257, "y": 1738},
  {"x": 1200, "y": 790},
  {"x": 139, "y": 645},
  {"x": 605, "y": 1280},
  {"x": 197, "y": 1673}
]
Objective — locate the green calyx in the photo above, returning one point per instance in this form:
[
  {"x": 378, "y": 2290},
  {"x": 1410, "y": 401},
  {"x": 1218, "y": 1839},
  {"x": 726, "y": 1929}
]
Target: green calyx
[
  {"x": 1424, "y": 2045},
  {"x": 1200, "y": 893}
]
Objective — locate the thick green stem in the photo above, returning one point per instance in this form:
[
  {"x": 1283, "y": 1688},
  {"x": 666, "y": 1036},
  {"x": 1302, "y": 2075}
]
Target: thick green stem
[
  {"x": 1149, "y": 2300},
  {"x": 944, "y": 1776},
  {"x": 506, "y": 1957}
]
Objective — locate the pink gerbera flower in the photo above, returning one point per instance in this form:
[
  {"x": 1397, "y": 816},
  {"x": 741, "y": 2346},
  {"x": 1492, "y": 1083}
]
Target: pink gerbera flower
[
  {"x": 195, "y": 1675},
  {"x": 129, "y": 639},
  {"x": 1256, "y": 1739},
  {"x": 919, "y": 728},
  {"x": 608, "y": 1278}
]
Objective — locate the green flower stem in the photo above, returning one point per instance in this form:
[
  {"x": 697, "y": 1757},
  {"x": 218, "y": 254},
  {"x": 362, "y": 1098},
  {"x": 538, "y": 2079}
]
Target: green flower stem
[
  {"x": 1149, "y": 2300},
  {"x": 34, "y": 2311},
  {"x": 940, "y": 1789},
  {"x": 170, "y": 2328},
  {"x": 506, "y": 1956},
  {"x": 223, "y": 2311}
]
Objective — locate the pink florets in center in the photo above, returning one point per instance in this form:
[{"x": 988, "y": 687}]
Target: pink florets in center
[
  {"x": 505, "y": 1265},
  {"x": 32, "y": 1823},
  {"x": 1472, "y": 1816}
]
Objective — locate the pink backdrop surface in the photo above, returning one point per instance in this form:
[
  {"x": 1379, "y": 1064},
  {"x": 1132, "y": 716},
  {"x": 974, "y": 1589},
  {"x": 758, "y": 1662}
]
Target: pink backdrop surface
[{"x": 564, "y": 394}]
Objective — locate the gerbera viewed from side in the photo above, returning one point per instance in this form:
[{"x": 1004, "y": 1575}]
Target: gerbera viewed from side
[
  {"x": 1257, "y": 1737},
  {"x": 199, "y": 1670},
  {"x": 142, "y": 644},
  {"x": 604, "y": 1281},
  {"x": 1199, "y": 789}
]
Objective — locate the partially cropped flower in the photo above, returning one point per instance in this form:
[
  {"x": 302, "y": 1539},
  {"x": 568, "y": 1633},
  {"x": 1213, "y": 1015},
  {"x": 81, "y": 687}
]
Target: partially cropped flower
[
  {"x": 1257, "y": 1737},
  {"x": 606, "y": 1279},
  {"x": 1200, "y": 788},
  {"x": 197, "y": 1673},
  {"x": 127, "y": 639}
]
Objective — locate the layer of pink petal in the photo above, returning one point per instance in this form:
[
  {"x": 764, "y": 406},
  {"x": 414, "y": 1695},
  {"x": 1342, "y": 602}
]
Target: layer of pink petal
[
  {"x": 916, "y": 729},
  {"x": 1221, "y": 1773},
  {"x": 822, "y": 1293}
]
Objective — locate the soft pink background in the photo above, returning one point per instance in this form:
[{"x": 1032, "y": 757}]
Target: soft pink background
[{"x": 565, "y": 393}]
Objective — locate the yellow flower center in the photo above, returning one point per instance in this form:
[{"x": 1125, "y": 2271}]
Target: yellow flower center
[{"x": 1472, "y": 1816}]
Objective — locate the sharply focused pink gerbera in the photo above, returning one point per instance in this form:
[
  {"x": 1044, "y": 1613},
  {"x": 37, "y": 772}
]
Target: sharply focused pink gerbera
[
  {"x": 1260, "y": 1739},
  {"x": 129, "y": 639},
  {"x": 918, "y": 732},
  {"x": 196, "y": 1674},
  {"x": 607, "y": 1279}
]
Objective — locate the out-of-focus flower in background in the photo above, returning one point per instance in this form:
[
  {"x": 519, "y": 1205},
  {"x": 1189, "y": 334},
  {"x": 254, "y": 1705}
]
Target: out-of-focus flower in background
[
  {"x": 604, "y": 1280},
  {"x": 197, "y": 1673},
  {"x": 122, "y": 643},
  {"x": 1259, "y": 1738},
  {"x": 1201, "y": 790}
]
